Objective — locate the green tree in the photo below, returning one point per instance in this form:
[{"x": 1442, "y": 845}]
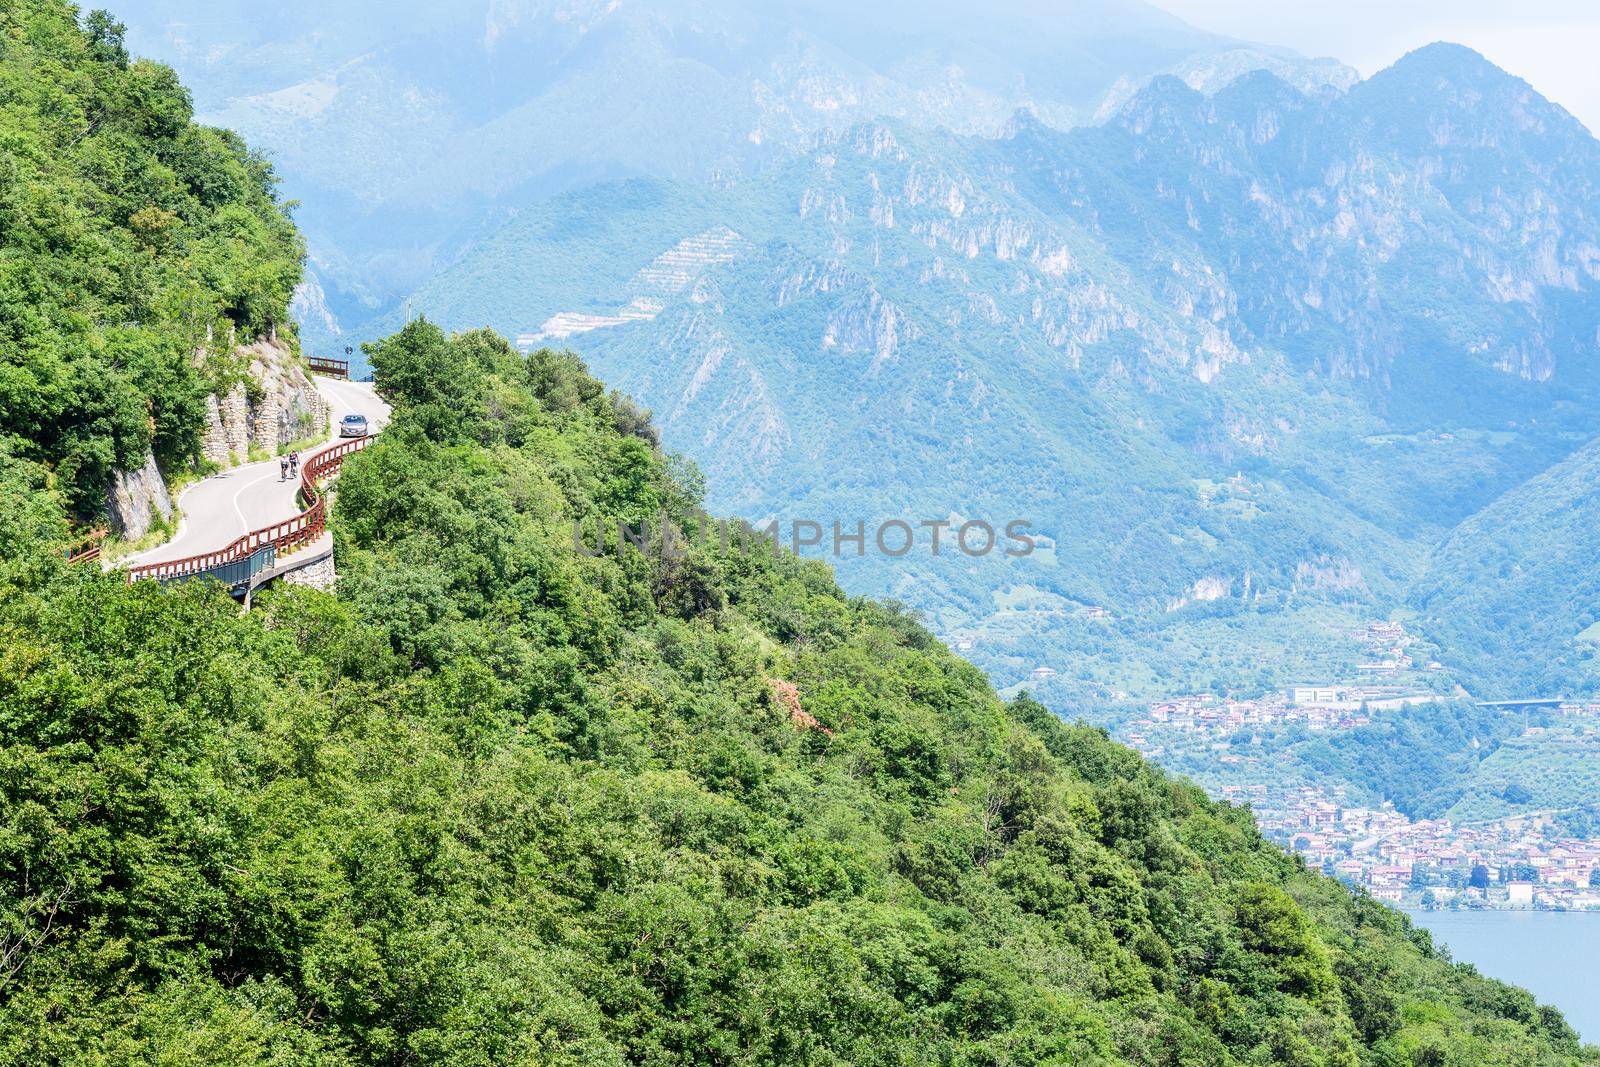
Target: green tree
[
  {"x": 428, "y": 379},
  {"x": 106, "y": 38},
  {"x": 130, "y": 241},
  {"x": 1517, "y": 793}
]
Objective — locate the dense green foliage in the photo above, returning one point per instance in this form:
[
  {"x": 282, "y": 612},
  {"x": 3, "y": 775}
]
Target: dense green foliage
[
  {"x": 1421, "y": 758},
  {"x": 503, "y": 801},
  {"x": 129, "y": 240},
  {"x": 1513, "y": 593},
  {"x": 1556, "y": 769}
]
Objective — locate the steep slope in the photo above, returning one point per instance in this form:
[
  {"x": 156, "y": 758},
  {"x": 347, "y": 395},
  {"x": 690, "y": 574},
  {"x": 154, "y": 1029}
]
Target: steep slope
[
  {"x": 1513, "y": 593},
  {"x": 1240, "y": 358},
  {"x": 402, "y": 130},
  {"x": 505, "y": 800},
  {"x": 130, "y": 240}
]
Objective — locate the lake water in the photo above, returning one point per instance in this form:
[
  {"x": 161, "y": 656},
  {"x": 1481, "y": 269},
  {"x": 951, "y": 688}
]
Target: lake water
[{"x": 1550, "y": 953}]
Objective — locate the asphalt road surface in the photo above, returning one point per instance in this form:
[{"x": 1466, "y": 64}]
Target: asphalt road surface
[{"x": 218, "y": 509}]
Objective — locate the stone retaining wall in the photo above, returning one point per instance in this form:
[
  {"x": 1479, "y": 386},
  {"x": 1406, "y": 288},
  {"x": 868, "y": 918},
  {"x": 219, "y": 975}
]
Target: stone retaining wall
[
  {"x": 290, "y": 408},
  {"x": 318, "y": 575}
]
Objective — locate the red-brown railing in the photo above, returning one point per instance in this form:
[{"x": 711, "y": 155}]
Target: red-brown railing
[
  {"x": 285, "y": 536},
  {"x": 333, "y": 368},
  {"x": 87, "y": 549}
]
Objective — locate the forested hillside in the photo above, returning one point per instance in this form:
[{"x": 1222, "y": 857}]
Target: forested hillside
[
  {"x": 501, "y": 800},
  {"x": 130, "y": 238},
  {"x": 1514, "y": 594}
]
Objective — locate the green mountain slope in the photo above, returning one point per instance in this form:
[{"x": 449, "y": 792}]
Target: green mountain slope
[
  {"x": 504, "y": 800},
  {"x": 1241, "y": 358},
  {"x": 130, "y": 239},
  {"x": 1514, "y": 594},
  {"x": 500, "y": 800}
]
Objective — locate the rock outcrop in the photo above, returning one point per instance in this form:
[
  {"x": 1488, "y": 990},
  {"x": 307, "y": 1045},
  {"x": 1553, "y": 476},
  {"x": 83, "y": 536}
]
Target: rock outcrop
[
  {"x": 288, "y": 407},
  {"x": 280, "y": 405},
  {"x": 291, "y": 407},
  {"x": 136, "y": 498}
]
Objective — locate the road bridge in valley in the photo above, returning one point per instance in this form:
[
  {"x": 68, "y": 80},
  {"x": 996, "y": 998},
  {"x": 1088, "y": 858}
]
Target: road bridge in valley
[{"x": 1524, "y": 702}]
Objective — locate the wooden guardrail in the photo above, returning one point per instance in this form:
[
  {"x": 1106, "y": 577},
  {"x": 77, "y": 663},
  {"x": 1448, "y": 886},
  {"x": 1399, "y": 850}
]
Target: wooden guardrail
[
  {"x": 87, "y": 551},
  {"x": 333, "y": 368},
  {"x": 283, "y": 537}
]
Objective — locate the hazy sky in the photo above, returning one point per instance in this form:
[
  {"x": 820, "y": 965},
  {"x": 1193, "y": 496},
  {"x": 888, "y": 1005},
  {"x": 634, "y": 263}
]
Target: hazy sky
[{"x": 1554, "y": 44}]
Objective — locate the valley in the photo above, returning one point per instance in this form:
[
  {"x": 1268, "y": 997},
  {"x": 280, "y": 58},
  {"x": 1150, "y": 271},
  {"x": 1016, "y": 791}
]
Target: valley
[
  {"x": 1243, "y": 416},
  {"x": 1202, "y": 347},
  {"x": 1252, "y": 341}
]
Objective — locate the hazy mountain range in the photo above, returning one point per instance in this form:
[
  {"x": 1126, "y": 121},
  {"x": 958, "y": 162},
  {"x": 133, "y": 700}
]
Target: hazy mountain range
[
  {"x": 1239, "y": 355},
  {"x": 406, "y": 130},
  {"x": 1245, "y": 343}
]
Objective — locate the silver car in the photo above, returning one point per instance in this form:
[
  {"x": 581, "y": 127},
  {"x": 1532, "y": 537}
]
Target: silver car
[{"x": 353, "y": 426}]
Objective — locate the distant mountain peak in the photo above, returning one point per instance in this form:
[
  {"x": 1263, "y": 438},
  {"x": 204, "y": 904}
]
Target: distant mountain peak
[
  {"x": 1260, "y": 91},
  {"x": 1447, "y": 56},
  {"x": 1216, "y": 74},
  {"x": 1436, "y": 88},
  {"x": 1165, "y": 97},
  {"x": 1023, "y": 121},
  {"x": 1443, "y": 63}
]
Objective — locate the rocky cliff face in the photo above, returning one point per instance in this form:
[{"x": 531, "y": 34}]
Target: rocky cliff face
[
  {"x": 136, "y": 499},
  {"x": 280, "y": 405},
  {"x": 286, "y": 407}
]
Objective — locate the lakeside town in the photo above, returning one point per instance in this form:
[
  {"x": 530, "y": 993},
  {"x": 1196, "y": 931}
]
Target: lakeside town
[
  {"x": 1232, "y": 726},
  {"x": 1318, "y": 708},
  {"x": 1519, "y": 862}
]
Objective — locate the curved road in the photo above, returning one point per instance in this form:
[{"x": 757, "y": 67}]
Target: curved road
[{"x": 218, "y": 509}]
